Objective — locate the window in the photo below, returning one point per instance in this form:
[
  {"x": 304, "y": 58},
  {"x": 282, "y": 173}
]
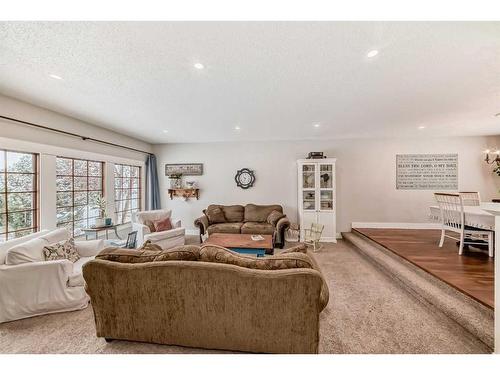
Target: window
[
  {"x": 79, "y": 186},
  {"x": 18, "y": 194},
  {"x": 127, "y": 192}
]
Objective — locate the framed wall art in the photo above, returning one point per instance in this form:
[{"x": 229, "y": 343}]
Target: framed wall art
[{"x": 186, "y": 169}]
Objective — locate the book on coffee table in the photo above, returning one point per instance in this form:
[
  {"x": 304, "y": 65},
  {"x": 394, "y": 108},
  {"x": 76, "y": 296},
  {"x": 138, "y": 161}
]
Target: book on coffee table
[{"x": 256, "y": 237}]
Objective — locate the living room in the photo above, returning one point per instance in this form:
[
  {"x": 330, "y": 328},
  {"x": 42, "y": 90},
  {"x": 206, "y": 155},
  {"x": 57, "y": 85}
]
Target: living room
[{"x": 165, "y": 183}]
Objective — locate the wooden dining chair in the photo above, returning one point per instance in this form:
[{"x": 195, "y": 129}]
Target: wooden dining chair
[
  {"x": 453, "y": 220},
  {"x": 470, "y": 198}
]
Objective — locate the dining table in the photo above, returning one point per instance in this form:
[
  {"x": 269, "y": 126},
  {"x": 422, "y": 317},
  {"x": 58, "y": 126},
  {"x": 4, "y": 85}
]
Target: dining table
[
  {"x": 474, "y": 216},
  {"x": 486, "y": 216}
]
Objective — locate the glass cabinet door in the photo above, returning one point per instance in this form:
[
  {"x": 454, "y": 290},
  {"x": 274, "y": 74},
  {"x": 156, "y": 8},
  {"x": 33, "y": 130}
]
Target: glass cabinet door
[
  {"x": 309, "y": 200},
  {"x": 326, "y": 187},
  {"x": 308, "y": 176}
]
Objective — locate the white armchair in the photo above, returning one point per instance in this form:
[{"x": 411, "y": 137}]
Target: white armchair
[
  {"x": 31, "y": 286},
  {"x": 166, "y": 239}
]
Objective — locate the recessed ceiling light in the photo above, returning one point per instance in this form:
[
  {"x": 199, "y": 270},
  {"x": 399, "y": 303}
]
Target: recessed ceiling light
[
  {"x": 55, "y": 76},
  {"x": 237, "y": 128},
  {"x": 165, "y": 131},
  {"x": 421, "y": 127},
  {"x": 199, "y": 66},
  {"x": 316, "y": 125},
  {"x": 372, "y": 53}
]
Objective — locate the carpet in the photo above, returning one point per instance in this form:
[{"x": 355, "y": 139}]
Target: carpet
[{"x": 367, "y": 313}]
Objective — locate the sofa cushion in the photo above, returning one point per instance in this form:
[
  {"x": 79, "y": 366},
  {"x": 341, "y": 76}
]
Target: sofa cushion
[
  {"x": 218, "y": 254},
  {"x": 233, "y": 214},
  {"x": 187, "y": 252},
  {"x": 215, "y": 214},
  {"x": 29, "y": 251},
  {"x": 224, "y": 228},
  {"x": 76, "y": 278},
  {"x": 117, "y": 254},
  {"x": 274, "y": 217},
  {"x": 257, "y": 228},
  {"x": 57, "y": 235},
  {"x": 258, "y": 213}
]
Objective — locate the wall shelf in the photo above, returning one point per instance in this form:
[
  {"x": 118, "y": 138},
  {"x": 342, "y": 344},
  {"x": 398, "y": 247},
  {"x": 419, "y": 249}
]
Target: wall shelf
[{"x": 184, "y": 193}]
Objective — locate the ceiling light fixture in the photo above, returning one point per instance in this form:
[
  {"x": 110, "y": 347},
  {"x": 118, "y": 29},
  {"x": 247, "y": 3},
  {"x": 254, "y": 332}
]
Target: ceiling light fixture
[
  {"x": 165, "y": 131},
  {"x": 199, "y": 66},
  {"x": 55, "y": 76},
  {"x": 372, "y": 53},
  {"x": 237, "y": 128},
  {"x": 316, "y": 125},
  {"x": 421, "y": 127}
]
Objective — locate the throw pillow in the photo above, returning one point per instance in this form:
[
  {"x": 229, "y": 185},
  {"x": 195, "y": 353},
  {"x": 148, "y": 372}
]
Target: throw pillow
[
  {"x": 162, "y": 225},
  {"x": 300, "y": 248},
  {"x": 150, "y": 225},
  {"x": 215, "y": 215},
  {"x": 274, "y": 217},
  {"x": 62, "y": 250},
  {"x": 218, "y": 254}
]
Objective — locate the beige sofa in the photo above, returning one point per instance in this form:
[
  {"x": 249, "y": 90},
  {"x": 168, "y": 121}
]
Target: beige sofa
[
  {"x": 250, "y": 219},
  {"x": 208, "y": 297}
]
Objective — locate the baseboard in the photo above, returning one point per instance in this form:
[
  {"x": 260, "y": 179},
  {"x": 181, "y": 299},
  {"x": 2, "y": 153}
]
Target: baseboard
[{"x": 396, "y": 225}]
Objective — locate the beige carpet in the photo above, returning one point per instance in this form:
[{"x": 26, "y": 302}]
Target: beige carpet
[{"x": 367, "y": 313}]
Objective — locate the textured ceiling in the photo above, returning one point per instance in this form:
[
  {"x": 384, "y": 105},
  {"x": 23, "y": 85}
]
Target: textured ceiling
[{"x": 272, "y": 79}]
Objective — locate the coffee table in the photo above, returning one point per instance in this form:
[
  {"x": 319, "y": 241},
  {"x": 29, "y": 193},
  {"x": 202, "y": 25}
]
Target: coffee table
[{"x": 242, "y": 243}]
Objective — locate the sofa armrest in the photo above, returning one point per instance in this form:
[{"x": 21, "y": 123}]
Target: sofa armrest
[
  {"x": 28, "y": 275},
  {"x": 176, "y": 223},
  {"x": 158, "y": 236},
  {"x": 281, "y": 227},
  {"x": 142, "y": 230},
  {"x": 202, "y": 223},
  {"x": 89, "y": 248},
  {"x": 325, "y": 292}
]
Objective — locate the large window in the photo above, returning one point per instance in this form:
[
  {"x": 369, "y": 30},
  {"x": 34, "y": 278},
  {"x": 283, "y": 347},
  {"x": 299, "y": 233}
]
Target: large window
[
  {"x": 18, "y": 194},
  {"x": 127, "y": 192},
  {"x": 79, "y": 187}
]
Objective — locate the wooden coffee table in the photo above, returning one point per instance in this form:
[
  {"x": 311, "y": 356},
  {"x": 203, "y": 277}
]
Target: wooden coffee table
[{"x": 242, "y": 243}]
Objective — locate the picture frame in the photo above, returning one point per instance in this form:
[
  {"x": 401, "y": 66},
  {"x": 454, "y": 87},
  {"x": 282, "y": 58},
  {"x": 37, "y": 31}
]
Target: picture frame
[{"x": 186, "y": 169}]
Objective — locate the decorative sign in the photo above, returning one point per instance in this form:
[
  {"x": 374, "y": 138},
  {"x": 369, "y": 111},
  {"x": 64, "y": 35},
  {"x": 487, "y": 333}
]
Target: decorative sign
[
  {"x": 193, "y": 169},
  {"x": 427, "y": 172}
]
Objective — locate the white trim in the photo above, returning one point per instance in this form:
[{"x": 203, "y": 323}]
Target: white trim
[
  {"x": 396, "y": 225},
  {"x": 192, "y": 232}
]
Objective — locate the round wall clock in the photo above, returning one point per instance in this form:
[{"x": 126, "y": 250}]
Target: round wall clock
[{"x": 244, "y": 178}]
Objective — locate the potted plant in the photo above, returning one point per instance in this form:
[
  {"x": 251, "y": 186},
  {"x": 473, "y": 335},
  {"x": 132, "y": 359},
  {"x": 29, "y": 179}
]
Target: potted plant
[
  {"x": 175, "y": 180},
  {"x": 102, "y": 220}
]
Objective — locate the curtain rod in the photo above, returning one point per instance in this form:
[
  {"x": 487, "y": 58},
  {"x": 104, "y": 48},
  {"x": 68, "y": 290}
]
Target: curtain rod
[{"x": 84, "y": 138}]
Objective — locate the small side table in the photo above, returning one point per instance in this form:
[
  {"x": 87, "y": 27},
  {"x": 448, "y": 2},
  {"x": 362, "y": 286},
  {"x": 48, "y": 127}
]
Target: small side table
[{"x": 96, "y": 231}]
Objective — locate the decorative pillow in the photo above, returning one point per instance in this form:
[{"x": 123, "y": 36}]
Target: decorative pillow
[
  {"x": 300, "y": 248},
  {"x": 274, "y": 217},
  {"x": 150, "y": 225},
  {"x": 215, "y": 215},
  {"x": 218, "y": 254},
  {"x": 162, "y": 225},
  {"x": 62, "y": 250},
  {"x": 117, "y": 254},
  {"x": 187, "y": 252}
]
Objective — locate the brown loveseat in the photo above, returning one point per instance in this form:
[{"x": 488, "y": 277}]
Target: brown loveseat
[
  {"x": 208, "y": 297},
  {"x": 249, "y": 219}
]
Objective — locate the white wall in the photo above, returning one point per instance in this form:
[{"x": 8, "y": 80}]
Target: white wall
[
  {"x": 366, "y": 171},
  {"x": 49, "y": 145}
]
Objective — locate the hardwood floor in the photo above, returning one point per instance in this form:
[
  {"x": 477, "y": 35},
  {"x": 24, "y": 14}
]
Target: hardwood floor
[{"x": 471, "y": 273}]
